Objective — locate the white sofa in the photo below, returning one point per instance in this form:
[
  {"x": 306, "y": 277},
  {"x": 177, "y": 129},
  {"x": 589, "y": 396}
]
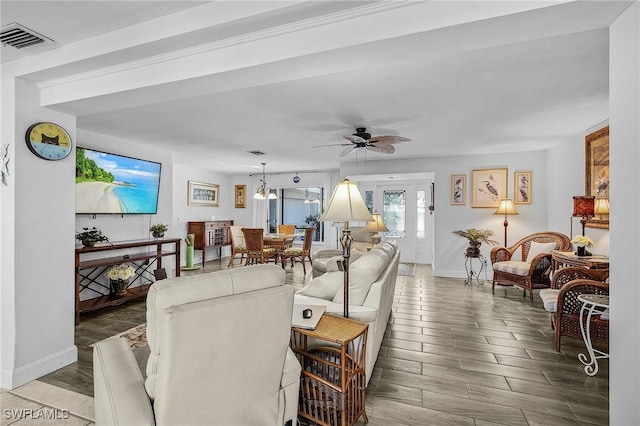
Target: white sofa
[
  {"x": 219, "y": 354},
  {"x": 325, "y": 260},
  {"x": 372, "y": 282}
]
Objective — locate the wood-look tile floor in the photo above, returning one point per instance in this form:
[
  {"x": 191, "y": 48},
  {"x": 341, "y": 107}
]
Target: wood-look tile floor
[{"x": 452, "y": 354}]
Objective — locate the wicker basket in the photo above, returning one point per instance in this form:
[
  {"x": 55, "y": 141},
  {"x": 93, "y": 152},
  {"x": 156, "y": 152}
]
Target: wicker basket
[{"x": 321, "y": 397}]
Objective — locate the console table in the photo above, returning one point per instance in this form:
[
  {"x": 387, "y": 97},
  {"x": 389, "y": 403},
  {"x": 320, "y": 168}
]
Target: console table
[
  {"x": 210, "y": 234},
  {"x": 333, "y": 382},
  {"x": 563, "y": 259},
  {"x": 90, "y": 271}
]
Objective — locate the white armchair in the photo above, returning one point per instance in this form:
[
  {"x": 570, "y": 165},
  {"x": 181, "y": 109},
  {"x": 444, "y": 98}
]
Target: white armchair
[{"x": 219, "y": 354}]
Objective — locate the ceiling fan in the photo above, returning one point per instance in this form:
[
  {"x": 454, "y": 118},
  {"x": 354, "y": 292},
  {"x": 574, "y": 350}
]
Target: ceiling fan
[{"x": 363, "y": 139}]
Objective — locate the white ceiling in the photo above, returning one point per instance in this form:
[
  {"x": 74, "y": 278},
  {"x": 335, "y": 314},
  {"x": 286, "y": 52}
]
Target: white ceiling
[{"x": 213, "y": 80}]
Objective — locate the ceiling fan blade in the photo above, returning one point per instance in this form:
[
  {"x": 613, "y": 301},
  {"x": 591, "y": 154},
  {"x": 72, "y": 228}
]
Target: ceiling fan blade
[
  {"x": 384, "y": 149},
  {"x": 332, "y": 144},
  {"x": 355, "y": 139},
  {"x": 381, "y": 140},
  {"x": 348, "y": 151}
]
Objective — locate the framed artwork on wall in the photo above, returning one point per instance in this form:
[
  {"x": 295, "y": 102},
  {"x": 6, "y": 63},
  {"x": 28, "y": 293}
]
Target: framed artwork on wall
[
  {"x": 522, "y": 187},
  {"x": 488, "y": 187},
  {"x": 203, "y": 194},
  {"x": 241, "y": 196},
  {"x": 596, "y": 176},
  {"x": 458, "y": 190}
]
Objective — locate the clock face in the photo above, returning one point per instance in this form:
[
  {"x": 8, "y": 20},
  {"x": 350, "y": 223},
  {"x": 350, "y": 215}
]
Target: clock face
[{"x": 48, "y": 141}]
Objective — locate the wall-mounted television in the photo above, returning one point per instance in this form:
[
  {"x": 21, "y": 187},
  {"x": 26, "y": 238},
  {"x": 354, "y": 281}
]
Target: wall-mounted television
[{"x": 115, "y": 184}]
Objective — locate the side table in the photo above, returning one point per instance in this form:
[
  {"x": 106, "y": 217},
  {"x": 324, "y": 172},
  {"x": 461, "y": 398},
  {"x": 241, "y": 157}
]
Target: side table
[
  {"x": 597, "y": 263},
  {"x": 593, "y": 304},
  {"x": 471, "y": 274},
  {"x": 333, "y": 382}
]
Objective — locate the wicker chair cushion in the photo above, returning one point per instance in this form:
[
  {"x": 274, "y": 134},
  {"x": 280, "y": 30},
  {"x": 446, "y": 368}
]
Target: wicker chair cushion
[
  {"x": 538, "y": 248},
  {"x": 268, "y": 250},
  {"x": 241, "y": 248},
  {"x": 549, "y": 298},
  {"x": 295, "y": 251},
  {"x": 513, "y": 267}
]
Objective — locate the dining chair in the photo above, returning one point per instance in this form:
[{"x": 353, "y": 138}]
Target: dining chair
[
  {"x": 287, "y": 229},
  {"x": 256, "y": 251},
  {"x": 299, "y": 254},
  {"x": 238, "y": 246}
]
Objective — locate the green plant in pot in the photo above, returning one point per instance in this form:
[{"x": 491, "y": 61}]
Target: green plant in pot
[
  {"x": 90, "y": 236},
  {"x": 158, "y": 230},
  {"x": 476, "y": 237}
]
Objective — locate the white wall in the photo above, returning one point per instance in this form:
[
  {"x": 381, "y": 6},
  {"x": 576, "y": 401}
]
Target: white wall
[{"x": 624, "y": 339}]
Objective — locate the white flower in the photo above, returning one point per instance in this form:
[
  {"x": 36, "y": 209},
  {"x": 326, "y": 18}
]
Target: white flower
[
  {"x": 121, "y": 272},
  {"x": 582, "y": 241}
]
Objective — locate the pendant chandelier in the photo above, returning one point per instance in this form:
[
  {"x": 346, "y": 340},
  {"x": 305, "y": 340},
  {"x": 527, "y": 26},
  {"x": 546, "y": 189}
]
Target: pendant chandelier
[{"x": 261, "y": 193}]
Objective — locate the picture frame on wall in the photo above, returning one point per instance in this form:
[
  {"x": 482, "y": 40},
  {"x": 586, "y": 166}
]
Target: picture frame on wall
[
  {"x": 241, "y": 196},
  {"x": 458, "y": 190},
  {"x": 203, "y": 194},
  {"x": 597, "y": 172},
  {"x": 522, "y": 187},
  {"x": 488, "y": 187}
]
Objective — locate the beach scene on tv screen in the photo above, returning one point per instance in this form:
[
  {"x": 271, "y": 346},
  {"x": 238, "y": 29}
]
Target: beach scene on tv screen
[{"x": 109, "y": 183}]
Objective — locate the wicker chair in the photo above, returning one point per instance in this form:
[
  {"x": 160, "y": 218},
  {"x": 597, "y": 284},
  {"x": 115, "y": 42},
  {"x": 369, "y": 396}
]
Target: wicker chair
[
  {"x": 299, "y": 254},
  {"x": 287, "y": 229},
  {"x": 256, "y": 251},
  {"x": 238, "y": 246},
  {"x": 564, "y": 307},
  {"x": 530, "y": 272}
]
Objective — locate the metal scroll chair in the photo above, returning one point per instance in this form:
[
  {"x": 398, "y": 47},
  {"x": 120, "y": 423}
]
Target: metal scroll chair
[
  {"x": 238, "y": 246},
  {"x": 299, "y": 254},
  {"x": 256, "y": 251}
]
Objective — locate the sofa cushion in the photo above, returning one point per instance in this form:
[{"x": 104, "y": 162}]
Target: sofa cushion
[
  {"x": 325, "y": 286},
  {"x": 549, "y": 298},
  {"x": 513, "y": 267},
  {"x": 362, "y": 274},
  {"x": 537, "y": 248},
  {"x": 387, "y": 248}
]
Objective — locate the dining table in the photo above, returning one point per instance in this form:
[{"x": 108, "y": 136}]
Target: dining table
[{"x": 279, "y": 242}]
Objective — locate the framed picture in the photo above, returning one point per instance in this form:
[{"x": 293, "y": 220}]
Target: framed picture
[
  {"x": 458, "y": 190},
  {"x": 203, "y": 194},
  {"x": 596, "y": 176},
  {"x": 241, "y": 196},
  {"x": 522, "y": 188},
  {"x": 489, "y": 186}
]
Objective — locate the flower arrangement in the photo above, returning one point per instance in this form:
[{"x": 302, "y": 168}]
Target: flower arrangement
[
  {"x": 582, "y": 241},
  {"x": 123, "y": 271},
  {"x": 159, "y": 227},
  {"x": 476, "y": 236},
  {"x": 90, "y": 237}
]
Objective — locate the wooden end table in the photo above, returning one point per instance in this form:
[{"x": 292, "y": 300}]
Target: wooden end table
[{"x": 333, "y": 382}]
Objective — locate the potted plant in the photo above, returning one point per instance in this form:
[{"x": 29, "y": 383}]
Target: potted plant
[
  {"x": 158, "y": 230},
  {"x": 119, "y": 278},
  {"x": 476, "y": 237},
  {"x": 581, "y": 242},
  {"x": 90, "y": 236},
  {"x": 312, "y": 220}
]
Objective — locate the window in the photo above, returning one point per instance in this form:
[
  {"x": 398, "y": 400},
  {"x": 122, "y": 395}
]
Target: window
[
  {"x": 421, "y": 196},
  {"x": 393, "y": 213},
  {"x": 302, "y": 207}
]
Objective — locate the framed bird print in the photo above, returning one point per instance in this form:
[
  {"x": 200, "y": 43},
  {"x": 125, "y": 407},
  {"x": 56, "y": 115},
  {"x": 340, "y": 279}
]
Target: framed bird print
[
  {"x": 458, "y": 190},
  {"x": 522, "y": 188},
  {"x": 488, "y": 187}
]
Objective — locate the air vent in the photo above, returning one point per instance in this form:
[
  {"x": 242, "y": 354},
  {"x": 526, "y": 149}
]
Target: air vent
[
  {"x": 18, "y": 36},
  {"x": 256, "y": 152}
]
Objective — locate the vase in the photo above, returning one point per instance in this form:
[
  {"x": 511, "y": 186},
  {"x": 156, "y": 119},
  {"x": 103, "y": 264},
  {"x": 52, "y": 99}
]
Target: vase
[
  {"x": 158, "y": 234},
  {"x": 474, "y": 249},
  {"x": 119, "y": 288},
  {"x": 88, "y": 243},
  {"x": 581, "y": 251}
]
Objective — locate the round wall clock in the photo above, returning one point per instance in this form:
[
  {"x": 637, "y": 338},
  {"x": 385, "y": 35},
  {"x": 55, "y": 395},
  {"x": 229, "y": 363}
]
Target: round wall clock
[{"x": 48, "y": 141}]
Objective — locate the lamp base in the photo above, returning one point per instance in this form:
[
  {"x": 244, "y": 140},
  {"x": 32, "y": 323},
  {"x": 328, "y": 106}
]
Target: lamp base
[{"x": 375, "y": 239}]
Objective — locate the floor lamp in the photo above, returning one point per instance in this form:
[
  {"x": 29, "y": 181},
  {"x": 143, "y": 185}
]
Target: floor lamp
[
  {"x": 346, "y": 204},
  {"x": 506, "y": 208}
]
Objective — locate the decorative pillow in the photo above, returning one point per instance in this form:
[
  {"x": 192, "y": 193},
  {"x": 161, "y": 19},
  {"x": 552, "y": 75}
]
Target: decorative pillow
[
  {"x": 325, "y": 286},
  {"x": 537, "y": 248}
]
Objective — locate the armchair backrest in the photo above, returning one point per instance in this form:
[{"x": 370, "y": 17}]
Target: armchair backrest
[
  {"x": 565, "y": 275},
  {"x": 562, "y": 242},
  {"x": 178, "y": 291}
]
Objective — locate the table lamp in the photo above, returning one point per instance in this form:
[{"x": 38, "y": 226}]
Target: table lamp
[
  {"x": 584, "y": 207},
  {"x": 346, "y": 204},
  {"x": 376, "y": 226},
  {"x": 506, "y": 207},
  {"x": 601, "y": 207}
]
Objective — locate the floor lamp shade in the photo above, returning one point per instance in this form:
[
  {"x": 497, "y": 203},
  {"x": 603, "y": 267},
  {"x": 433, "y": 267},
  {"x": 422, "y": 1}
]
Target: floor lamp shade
[
  {"x": 346, "y": 204},
  {"x": 506, "y": 208}
]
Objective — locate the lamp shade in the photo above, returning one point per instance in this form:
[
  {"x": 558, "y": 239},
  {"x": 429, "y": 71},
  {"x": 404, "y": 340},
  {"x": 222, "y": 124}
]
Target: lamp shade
[
  {"x": 377, "y": 225},
  {"x": 583, "y": 205},
  {"x": 346, "y": 204},
  {"x": 506, "y": 207},
  {"x": 601, "y": 206},
  {"x": 273, "y": 194}
]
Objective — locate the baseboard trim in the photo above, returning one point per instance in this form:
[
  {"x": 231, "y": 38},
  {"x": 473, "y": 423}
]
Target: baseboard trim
[{"x": 11, "y": 379}]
